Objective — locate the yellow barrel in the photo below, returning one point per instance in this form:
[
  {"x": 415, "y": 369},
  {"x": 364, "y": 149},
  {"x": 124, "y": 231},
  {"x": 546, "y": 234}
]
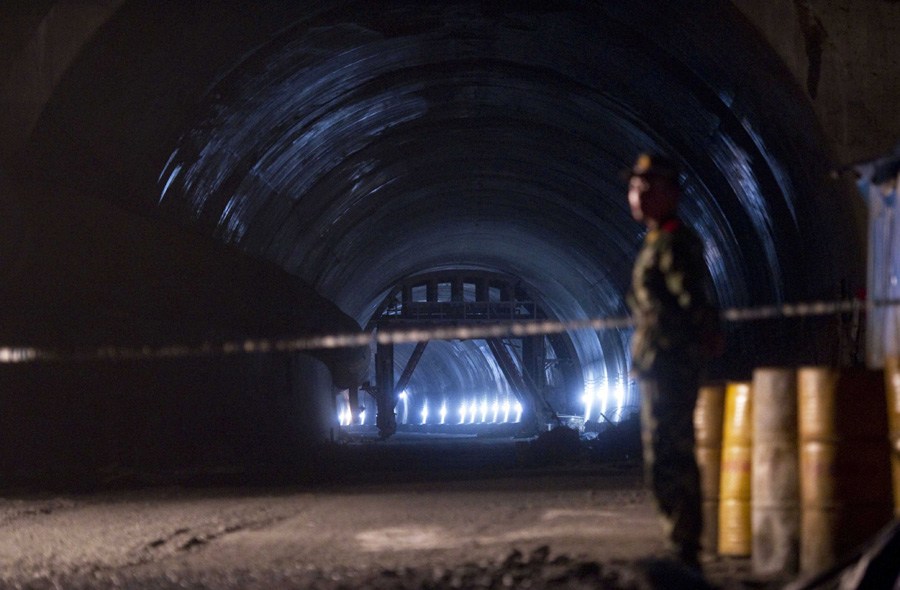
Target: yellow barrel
[
  {"x": 845, "y": 494},
  {"x": 892, "y": 383},
  {"x": 775, "y": 504},
  {"x": 734, "y": 485},
  {"x": 708, "y": 416}
]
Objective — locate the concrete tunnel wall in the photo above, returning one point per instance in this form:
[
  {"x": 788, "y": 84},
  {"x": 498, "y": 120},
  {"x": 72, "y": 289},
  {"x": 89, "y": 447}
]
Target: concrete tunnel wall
[
  {"x": 352, "y": 147},
  {"x": 80, "y": 276}
]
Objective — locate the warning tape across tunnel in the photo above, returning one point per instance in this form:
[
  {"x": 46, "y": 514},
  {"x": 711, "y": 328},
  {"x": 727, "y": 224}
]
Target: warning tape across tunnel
[{"x": 456, "y": 331}]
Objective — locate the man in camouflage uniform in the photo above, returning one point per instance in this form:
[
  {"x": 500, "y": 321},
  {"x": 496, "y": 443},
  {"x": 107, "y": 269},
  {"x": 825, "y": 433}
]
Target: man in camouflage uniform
[{"x": 675, "y": 325}]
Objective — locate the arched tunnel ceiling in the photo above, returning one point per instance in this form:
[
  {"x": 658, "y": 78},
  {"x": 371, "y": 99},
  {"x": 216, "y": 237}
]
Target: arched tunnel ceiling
[{"x": 356, "y": 144}]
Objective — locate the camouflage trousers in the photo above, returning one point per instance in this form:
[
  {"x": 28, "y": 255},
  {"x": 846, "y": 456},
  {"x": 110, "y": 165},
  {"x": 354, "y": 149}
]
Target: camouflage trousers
[{"x": 670, "y": 467}]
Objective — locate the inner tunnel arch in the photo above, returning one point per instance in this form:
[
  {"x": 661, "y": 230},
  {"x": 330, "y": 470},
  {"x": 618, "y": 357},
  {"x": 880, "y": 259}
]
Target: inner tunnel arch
[
  {"x": 543, "y": 372},
  {"x": 355, "y": 147}
]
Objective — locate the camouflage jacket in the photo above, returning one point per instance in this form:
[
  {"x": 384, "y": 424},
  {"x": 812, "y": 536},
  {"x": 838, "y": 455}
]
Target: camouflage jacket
[{"x": 671, "y": 302}]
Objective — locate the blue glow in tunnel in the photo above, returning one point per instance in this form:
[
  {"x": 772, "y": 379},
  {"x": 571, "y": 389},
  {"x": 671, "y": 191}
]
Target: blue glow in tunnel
[
  {"x": 424, "y": 412},
  {"x": 352, "y": 150},
  {"x": 329, "y": 136},
  {"x": 404, "y": 399},
  {"x": 483, "y": 410},
  {"x": 598, "y": 396}
]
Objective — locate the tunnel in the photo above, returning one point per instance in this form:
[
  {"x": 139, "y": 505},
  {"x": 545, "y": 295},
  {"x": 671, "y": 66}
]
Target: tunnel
[{"x": 339, "y": 149}]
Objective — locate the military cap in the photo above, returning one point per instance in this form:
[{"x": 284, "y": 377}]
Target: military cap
[{"x": 653, "y": 165}]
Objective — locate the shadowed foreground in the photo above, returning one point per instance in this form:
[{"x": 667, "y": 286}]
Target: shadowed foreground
[{"x": 409, "y": 519}]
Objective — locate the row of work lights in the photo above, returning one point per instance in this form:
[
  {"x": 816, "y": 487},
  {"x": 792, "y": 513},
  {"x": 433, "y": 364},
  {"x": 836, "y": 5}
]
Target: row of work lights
[
  {"x": 499, "y": 410},
  {"x": 603, "y": 401}
]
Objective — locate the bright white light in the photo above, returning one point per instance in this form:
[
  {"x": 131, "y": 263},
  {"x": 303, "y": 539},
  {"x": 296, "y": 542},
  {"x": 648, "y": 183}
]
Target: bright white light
[
  {"x": 444, "y": 411},
  {"x": 484, "y": 409},
  {"x": 473, "y": 410},
  {"x": 425, "y": 412},
  {"x": 362, "y": 418},
  {"x": 518, "y": 411},
  {"x": 604, "y": 397},
  {"x": 506, "y": 410},
  {"x": 344, "y": 415},
  {"x": 496, "y": 410},
  {"x": 620, "y": 397},
  {"x": 404, "y": 397},
  {"x": 463, "y": 412},
  {"x": 588, "y": 399}
]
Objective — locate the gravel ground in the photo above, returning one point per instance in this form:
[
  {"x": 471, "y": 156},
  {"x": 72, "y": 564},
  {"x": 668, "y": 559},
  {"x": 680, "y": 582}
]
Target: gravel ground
[
  {"x": 388, "y": 519},
  {"x": 537, "y": 571}
]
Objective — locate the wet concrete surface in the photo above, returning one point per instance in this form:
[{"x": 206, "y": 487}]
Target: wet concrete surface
[{"x": 414, "y": 512}]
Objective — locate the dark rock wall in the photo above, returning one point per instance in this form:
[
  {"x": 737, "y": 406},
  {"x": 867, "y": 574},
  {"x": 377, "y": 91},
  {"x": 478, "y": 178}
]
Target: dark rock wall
[
  {"x": 162, "y": 421},
  {"x": 844, "y": 54},
  {"x": 205, "y": 171},
  {"x": 80, "y": 275}
]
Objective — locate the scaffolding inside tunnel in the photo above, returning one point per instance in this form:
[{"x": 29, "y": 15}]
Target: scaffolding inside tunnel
[{"x": 531, "y": 368}]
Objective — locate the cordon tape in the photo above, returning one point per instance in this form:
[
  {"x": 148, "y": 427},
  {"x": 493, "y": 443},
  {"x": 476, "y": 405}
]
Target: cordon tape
[{"x": 457, "y": 331}]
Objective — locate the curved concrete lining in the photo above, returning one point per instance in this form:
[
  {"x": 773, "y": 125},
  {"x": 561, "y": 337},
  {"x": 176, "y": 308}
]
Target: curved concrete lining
[{"x": 354, "y": 145}]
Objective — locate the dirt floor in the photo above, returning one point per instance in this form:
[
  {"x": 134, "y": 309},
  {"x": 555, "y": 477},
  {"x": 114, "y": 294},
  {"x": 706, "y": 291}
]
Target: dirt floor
[{"x": 413, "y": 512}]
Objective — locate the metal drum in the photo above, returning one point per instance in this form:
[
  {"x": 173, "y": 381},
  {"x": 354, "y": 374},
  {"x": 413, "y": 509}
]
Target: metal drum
[
  {"x": 734, "y": 484},
  {"x": 892, "y": 383},
  {"x": 845, "y": 481},
  {"x": 708, "y": 416},
  {"x": 775, "y": 479}
]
